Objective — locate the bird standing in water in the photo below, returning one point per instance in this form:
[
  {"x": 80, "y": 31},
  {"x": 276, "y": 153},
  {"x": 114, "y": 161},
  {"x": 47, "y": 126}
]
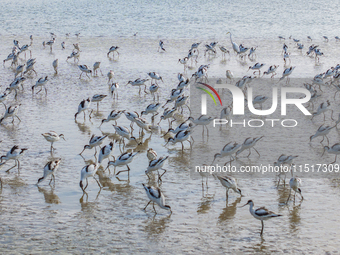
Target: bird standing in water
[{"x": 261, "y": 213}]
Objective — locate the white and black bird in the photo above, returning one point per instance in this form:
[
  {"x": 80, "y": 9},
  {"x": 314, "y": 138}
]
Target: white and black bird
[
  {"x": 30, "y": 66},
  {"x": 55, "y": 66},
  {"x": 203, "y": 121},
  {"x": 83, "y": 106},
  {"x": 229, "y": 183},
  {"x": 156, "y": 196},
  {"x": 50, "y": 43},
  {"x": 287, "y": 72},
  {"x": 186, "y": 125},
  {"x": 335, "y": 149},
  {"x": 94, "y": 142},
  {"x": 271, "y": 70},
  {"x": 259, "y": 100},
  {"x": 110, "y": 75},
  {"x": 40, "y": 83},
  {"x": 124, "y": 133},
  {"x": 138, "y": 82},
  {"x": 161, "y": 46},
  {"x": 155, "y": 76},
  {"x": 151, "y": 109},
  {"x": 153, "y": 90},
  {"x": 97, "y": 99},
  {"x": 261, "y": 213},
  {"x": 84, "y": 69},
  {"x": 75, "y": 55},
  {"x": 14, "y": 154},
  {"x": 151, "y": 154},
  {"x": 184, "y": 62},
  {"x": 113, "y": 50},
  {"x": 294, "y": 184},
  {"x": 228, "y": 150},
  {"x": 52, "y": 137},
  {"x": 49, "y": 169},
  {"x": 114, "y": 115},
  {"x": 12, "y": 112},
  {"x": 114, "y": 90},
  {"x": 155, "y": 165},
  {"x": 105, "y": 152},
  {"x": 15, "y": 85},
  {"x": 19, "y": 69},
  {"x": 257, "y": 67},
  {"x": 180, "y": 137},
  {"x": 323, "y": 131},
  {"x": 96, "y": 66},
  {"x": 249, "y": 144},
  {"x": 86, "y": 172},
  {"x": 323, "y": 107},
  {"x": 123, "y": 160},
  {"x": 224, "y": 51}
]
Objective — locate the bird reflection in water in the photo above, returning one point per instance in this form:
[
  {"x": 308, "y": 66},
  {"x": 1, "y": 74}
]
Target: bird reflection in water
[
  {"x": 206, "y": 176},
  {"x": 229, "y": 212},
  {"x": 260, "y": 247},
  {"x": 282, "y": 192},
  {"x": 98, "y": 115},
  {"x": 85, "y": 129},
  {"x": 206, "y": 201},
  {"x": 49, "y": 195},
  {"x": 122, "y": 189},
  {"x": 154, "y": 227},
  {"x": 294, "y": 218},
  {"x": 86, "y": 196}
]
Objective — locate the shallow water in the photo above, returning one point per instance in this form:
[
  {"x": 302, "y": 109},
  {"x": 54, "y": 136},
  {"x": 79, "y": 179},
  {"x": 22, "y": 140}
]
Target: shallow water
[
  {"x": 170, "y": 19},
  {"x": 60, "y": 219}
]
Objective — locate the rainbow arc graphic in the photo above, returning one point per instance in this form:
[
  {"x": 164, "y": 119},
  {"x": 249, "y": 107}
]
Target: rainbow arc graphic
[{"x": 209, "y": 93}]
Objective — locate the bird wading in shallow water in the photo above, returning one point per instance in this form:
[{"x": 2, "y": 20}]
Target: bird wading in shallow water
[
  {"x": 161, "y": 46},
  {"x": 261, "y": 213},
  {"x": 11, "y": 111},
  {"x": 113, "y": 50},
  {"x": 49, "y": 169},
  {"x": 15, "y": 153},
  {"x": 294, "y": 184},
  {"x": 86, "y": 172},
  {"x": 156, "y": 196},
  {"x": 83, "y": 106},
  {"x": 52, "y": 137},
  {"x": 94, "y": 142}
]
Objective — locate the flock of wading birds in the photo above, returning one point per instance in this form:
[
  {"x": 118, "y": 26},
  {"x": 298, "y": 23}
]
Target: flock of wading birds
[{"x": 24, "y": 69}]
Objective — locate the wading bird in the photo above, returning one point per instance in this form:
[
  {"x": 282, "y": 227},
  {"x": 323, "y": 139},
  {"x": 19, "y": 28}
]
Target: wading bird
[
  {"x": 261, "y": 213},
  {"x": 156, "y": 196}
]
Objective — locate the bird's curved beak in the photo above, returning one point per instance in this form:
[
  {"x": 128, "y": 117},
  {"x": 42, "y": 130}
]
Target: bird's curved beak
[
  {"x": 323, "y": 152},
  {"x": 81, "y": 151},
  {"x": 243, "y": 205}
]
